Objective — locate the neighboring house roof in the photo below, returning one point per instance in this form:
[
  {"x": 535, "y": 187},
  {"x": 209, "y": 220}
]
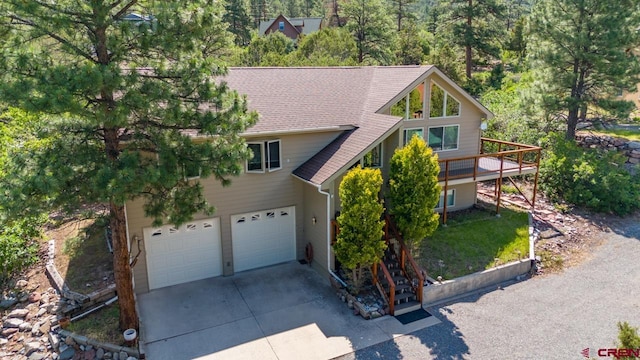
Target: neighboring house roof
[
  {"x": 310, "y": 99},
  {"x": 302, "y": 25}
]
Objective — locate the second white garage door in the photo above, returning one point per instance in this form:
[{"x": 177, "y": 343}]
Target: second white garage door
[{"x": 263, "y": 238}]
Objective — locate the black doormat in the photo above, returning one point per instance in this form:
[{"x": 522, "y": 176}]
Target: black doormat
[
  {"x": 413, "y": 316},
  {"x": 303, "y": 262}
]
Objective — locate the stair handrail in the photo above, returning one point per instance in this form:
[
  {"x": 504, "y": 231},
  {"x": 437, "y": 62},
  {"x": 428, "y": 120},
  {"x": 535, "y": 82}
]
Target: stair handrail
[
  {"x": 406, "y": 255},
  {"x": 392, "y": 285}
]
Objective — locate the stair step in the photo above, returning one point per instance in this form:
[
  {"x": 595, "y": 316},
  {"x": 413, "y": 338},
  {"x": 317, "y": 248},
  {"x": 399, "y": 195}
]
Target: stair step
[
  {"x": 406, "y": 307},
  {"x": 404, "y": 296},
  {"x": 399, "y": 279},
  {"x": 402, "y": 288}
]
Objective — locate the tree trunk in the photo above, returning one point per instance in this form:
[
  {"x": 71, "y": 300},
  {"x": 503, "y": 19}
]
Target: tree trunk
[
  {"x": 467, "y": 48},
  {"x": 121, "y": 268}
]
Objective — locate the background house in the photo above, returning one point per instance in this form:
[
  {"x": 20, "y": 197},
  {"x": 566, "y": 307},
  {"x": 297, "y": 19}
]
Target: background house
[
  {"x": 291, "y": 27},
  {"x": 314, "y": 125}
]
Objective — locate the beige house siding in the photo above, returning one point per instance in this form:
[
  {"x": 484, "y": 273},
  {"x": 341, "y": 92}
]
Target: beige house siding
[
  {"x": 315, "y": 206},
  {"x": 248, "y": 192},
  {"x": 465, "y": 197}
]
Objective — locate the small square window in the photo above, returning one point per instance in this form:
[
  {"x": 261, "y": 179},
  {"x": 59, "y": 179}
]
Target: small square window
[
  {"x": 281, "y": 25},
  {"x": 373, "y": 158},
  {"x": 408, "y": 134},
  {"x": 451, "y": 199}
]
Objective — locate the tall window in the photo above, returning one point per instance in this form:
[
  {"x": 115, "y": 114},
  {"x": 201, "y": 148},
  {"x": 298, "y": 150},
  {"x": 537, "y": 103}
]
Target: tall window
[
  {"x": 451, "y": 199},
  {"x": 442, "y": 103},
  {"x": 373, "y": 158},
  {"x": 266, "y": 156},
  {"x": 443, "y": 137}
]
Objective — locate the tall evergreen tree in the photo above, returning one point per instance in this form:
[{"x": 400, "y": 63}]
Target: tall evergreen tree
[
  {"x": 403, "y": 10},
  {"x": 582, "y": 53},
  {"x": 359, "y": 243},
  {"x": 123, "y": 99},
  {"x": 414, "y": 191},
  {"x": 239, "y": 21},
  {"x": 371, "y": 25},
  {"x": 474, "y": 26}
]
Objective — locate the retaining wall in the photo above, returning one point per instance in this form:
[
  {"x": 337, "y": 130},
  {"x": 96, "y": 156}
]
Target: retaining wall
[{"x": 447, "y": 290}]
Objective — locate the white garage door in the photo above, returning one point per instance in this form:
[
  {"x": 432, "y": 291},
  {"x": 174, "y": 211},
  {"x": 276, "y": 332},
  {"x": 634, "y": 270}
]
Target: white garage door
[
  {"x": 263, "y": 238},
  {"x": 177, "y": 255}
]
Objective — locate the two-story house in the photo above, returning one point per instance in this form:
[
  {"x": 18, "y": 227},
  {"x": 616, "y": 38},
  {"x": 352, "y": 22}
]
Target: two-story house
[
  {"x": 314, "y": 125},
  {"x": 291, "y": 27}
]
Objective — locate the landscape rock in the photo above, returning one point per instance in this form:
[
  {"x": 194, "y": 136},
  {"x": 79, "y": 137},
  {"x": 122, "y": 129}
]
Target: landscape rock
[
  {"x": 18, "y": 313},
  {"x": 12, "y": 323},
  {"x": 8, "y": 302},
  {"x": 9, "y": 331},
  {"x": 36, "y": 356},
  {"x": 31, "y": 346},
  {"x": 34, "y": 297},
  {"x": 100, "y": 354},
  {"x": 67, "y": 353},
  {"x": 132, "y": 358},
  {"x": 22, "y": 283},
  {"x": 123, "y": 355},
  {"x": 25, "y": 327},
  {"x": 89, "y": 354},
  {"x": 69, "y": 341}
]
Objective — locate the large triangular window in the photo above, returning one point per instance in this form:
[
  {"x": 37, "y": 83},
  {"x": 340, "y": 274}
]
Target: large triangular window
[
  {"x": 411, "y": 106},
  {"x": 442, "y": 103}
]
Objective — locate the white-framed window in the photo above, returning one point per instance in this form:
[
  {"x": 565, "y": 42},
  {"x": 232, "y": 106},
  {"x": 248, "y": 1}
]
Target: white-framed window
[
  {"x": 442, "y": 138},
  {"x": 274, "y": 159},
  {"x": 451, "y": 199},
  {"x": 411, "y": 106},
  {"x": 408, "y": 134},
  {"x": 373, "y": 159},
  {"x": 192, "y": 171},
  {"x": 266, "y": 155},
  {"x": 442, "y": 103},
  {"x": 255, "y": 164},
  {"x": 281, "y": 25}
]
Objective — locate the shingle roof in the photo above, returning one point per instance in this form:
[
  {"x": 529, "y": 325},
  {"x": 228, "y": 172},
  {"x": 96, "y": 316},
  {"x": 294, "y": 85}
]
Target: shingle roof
[
  {"x": 307, "y": 99},
  {"x": 309, "y": 24}
]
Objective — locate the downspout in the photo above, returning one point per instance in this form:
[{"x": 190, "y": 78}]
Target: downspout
[{"x": 328, "y": 195}]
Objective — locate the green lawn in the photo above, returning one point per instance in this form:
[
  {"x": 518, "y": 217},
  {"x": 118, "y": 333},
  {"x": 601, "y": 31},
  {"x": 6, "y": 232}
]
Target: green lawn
[
  {"x": 475, "y": 240},
  {"x": 632, "y": 135},
  {"x": 101, "y": 325}
]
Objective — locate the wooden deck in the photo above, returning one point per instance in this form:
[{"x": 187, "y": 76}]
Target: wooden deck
[{"x": 496, "y": 160}]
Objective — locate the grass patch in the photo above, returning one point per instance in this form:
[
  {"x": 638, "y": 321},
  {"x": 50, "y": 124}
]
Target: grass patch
[
  {"x": 475, "y": 240},
  {"x": 550, "y": 261},
  {"x": 632, "y": 135},
  {"x": 101, "y": 325}
]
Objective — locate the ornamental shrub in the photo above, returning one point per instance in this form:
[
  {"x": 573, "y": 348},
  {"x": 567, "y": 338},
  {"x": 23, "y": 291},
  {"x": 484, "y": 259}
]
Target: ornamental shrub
[{"x": 591, "y": 178}]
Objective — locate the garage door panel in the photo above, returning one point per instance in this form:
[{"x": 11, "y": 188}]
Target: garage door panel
[
  {"x": 177, "y": 255},
  {"x": 263, "y": 238}
]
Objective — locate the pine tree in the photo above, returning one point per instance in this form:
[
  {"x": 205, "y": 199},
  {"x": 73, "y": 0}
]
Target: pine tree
[
  {"x": 475, "y": 27},
  {"x": 582, "y": 55},
  {"x": 359, "y": 243},
  {"x": 414, "y": 191},
  {"x": 239, "y": 22},
  {"x": 402, "y": 10},
  {"x": 371, "y": 25},
  {"x": 121, "y": 99}
]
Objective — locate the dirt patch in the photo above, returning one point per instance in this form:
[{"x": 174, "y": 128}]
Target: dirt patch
[{"x": 82, "y": 255}]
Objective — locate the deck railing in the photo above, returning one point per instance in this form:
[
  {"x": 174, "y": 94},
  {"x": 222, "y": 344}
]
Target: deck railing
[
  {"x": 498, "y": 157},
  {"x": 519, "y": 156}
]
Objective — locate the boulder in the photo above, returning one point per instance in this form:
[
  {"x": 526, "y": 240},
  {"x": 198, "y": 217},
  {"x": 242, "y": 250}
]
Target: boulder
[
  {"x": 12, "y": 323},
  {"x": 31, "y": 347},
  {"x": 18, "y": 313}
]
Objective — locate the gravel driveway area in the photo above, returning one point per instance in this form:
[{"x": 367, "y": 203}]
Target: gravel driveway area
[{"x": 546, "y": 317}]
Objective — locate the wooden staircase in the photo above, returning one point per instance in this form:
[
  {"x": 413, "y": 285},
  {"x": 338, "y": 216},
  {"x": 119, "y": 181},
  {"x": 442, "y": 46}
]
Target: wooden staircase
[
  {"x": 405, "y": 297},
  {"x": 397, "y": 276}
]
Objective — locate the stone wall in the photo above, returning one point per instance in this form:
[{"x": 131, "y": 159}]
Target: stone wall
[{"x": 630, "y": 149}]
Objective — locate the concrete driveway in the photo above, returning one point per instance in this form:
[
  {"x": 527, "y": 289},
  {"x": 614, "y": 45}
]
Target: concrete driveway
[{"x": 281, "y": 312}]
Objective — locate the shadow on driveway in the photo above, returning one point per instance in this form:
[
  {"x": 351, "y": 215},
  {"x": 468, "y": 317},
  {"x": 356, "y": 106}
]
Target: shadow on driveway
[{"x": 281, "y": 312}]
